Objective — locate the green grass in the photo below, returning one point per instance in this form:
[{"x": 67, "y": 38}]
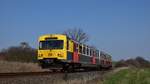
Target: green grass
[{"x": 129, "y": 76}]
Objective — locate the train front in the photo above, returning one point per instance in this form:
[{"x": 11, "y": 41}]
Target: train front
[{"x": 52, "y": 51}]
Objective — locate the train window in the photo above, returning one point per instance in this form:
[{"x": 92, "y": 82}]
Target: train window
[
  {"x": 40, "y": 45},
  {"x": 91, "y": 52},
  {"x": 74, "y": 47},
  {"x": 77, "y": 47},
  {"x": 83, "y": 49},
  {"x": 80, "y": 48},
  {"x": 97, "y": 53},
  {"x": 52, "y": 44},
  {"x": 102, "y": 56},
  {"x": 105, "y": 57},
  {"x": 87, "y": 51},
  {"x": 67, "y": 44}
]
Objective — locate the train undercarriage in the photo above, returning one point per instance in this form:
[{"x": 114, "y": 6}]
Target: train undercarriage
[{"x": 65, "y": 66}]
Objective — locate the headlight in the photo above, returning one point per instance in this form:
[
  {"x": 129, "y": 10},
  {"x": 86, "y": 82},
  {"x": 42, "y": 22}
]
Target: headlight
[
  {"x": 60, "y": 55},
  {"x": 40, "y": 55}
]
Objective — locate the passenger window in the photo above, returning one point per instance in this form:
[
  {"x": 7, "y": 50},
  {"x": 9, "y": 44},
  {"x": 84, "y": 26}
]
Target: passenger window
[
  {"x": 97, "y": 53},
  {"x": 87, "y": 51},
  {"x": 67, "y": 45},
  {"x": 80, "y": 48},
  {"x": 75, "y": 47},
  {"x": 84, "y": 50},
  {"x": 91, "y": 52}
]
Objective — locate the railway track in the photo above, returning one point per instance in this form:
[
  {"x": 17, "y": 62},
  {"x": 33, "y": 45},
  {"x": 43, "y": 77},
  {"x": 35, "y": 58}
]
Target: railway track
[{"x": 22, "y": 74}]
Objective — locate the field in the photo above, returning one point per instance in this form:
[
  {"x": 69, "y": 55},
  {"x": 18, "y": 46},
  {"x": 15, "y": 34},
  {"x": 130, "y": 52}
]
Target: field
[
  {"x": 123, "y": 75},
  {"x": 129, "y": 76}
]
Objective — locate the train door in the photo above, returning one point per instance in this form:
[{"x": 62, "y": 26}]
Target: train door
[{"x": 75, "y": 53}]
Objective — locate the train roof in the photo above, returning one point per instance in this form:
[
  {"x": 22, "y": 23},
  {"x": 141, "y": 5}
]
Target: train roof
[{"x": 63, "y": 35}]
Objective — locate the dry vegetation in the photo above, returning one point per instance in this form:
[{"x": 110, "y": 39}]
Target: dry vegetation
[{"x": 6, "y": 66}]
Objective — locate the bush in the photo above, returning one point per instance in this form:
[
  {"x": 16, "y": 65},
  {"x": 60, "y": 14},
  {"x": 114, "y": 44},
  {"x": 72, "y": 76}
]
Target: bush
[
  {"x": 142, "y": 62},
  {"x": 21, "y": 53},
  {"x": 137, "y": 62},
  {"x": 120, "y": 63}
]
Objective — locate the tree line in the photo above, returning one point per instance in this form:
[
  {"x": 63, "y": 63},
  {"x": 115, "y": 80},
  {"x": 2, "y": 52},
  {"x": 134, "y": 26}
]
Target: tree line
[{"x": 20, "y": 53}]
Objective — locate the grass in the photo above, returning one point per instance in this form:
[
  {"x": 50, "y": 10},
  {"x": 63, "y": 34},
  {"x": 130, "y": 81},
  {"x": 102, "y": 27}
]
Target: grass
[{"x": 129, "y": 76}]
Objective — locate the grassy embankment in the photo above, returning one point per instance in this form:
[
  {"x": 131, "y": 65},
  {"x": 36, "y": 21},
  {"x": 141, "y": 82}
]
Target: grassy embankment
[{"x": 129, "y": 76}]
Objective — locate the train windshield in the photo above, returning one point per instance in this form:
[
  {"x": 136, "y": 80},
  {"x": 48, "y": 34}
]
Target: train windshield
[{"x": 51, "y": 44}]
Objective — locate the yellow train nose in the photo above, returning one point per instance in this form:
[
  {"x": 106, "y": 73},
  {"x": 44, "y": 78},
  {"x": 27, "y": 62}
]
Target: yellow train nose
[{"x": 50, "y": 54}]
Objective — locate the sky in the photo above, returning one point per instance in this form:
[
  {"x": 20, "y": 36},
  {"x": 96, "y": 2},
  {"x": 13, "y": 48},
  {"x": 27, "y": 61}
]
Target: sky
[{"x": 118, "y": 27}]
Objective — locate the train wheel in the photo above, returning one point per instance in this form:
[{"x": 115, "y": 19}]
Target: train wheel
[
  {"x": 71, "y": 68},
  {"x": 54, "y": 70},
  {"x": 68, "y": 68}
]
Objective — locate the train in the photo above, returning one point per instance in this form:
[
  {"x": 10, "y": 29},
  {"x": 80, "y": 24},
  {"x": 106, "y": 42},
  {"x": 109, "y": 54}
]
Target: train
[{"x": 58, "y": 51}]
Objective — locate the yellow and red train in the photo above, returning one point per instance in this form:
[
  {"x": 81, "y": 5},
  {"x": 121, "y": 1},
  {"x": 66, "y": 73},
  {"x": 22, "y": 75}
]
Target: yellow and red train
[{"x": 57, "y": 51}]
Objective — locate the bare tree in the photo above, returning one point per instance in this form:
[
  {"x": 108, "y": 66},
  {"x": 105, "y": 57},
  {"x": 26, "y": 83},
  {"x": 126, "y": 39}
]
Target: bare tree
[
  {"x": 77, "y": 34},
  {"x": 24, "y": 45}
]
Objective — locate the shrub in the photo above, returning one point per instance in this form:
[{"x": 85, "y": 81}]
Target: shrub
[
  {"x": 137, "y": 62},
  {"x": 21, "y": 53},
  {"x": 120, "y": 63}
]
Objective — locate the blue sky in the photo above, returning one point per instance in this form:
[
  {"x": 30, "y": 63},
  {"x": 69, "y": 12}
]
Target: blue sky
[{"x": 119, "y": 27}]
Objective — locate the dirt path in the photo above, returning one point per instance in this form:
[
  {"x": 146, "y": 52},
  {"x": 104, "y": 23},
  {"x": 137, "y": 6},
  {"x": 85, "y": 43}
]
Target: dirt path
[{"x": 118, "y": 69}]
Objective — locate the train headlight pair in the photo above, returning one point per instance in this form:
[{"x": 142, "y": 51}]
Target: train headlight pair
[
  {"x": 40, "y": 55},
  {"x": 60, "y": 55}
]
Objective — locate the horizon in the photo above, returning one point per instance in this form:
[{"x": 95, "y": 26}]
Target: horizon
[{"x": 120, "y": 28}]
